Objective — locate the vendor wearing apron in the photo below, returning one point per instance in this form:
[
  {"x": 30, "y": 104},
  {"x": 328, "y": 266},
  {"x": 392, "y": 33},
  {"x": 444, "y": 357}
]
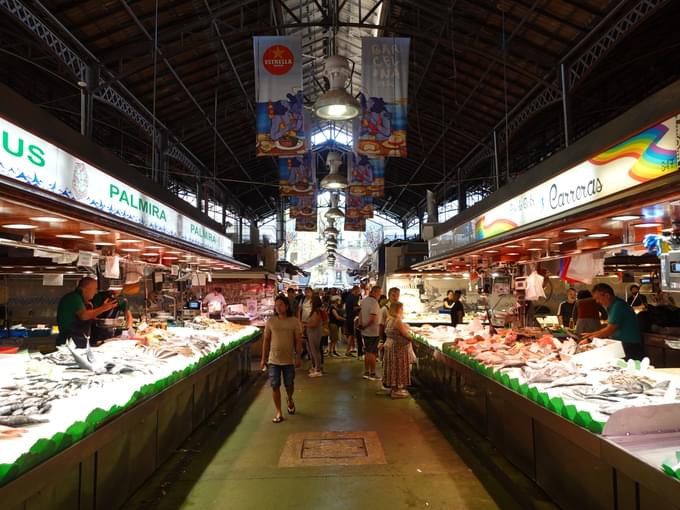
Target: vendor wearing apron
[
  {"x": 104, "y": 333},
  {"x": 75, "y": 312}
]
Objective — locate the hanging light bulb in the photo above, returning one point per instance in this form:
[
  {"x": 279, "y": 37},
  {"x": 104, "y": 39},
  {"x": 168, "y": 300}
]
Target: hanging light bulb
[
  {"x": 334, "y": 212},
  {"x": 334, "y": 180},
  {"x": 336, "y": 103},
  {"x": 331, "y": 230}
]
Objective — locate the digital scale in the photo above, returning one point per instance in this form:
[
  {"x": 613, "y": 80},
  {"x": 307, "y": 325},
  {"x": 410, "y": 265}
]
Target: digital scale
[{"x": 670, "y": 271}]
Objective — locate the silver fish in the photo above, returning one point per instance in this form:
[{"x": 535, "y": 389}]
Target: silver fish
[{"x": 83, "y": 363}]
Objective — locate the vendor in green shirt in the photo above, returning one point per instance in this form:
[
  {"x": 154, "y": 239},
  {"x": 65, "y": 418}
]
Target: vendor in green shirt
[
  {"x": 622, "y": 323},
  {"x": 75, "y": 312},
  {"x": 103, "y": 333}
]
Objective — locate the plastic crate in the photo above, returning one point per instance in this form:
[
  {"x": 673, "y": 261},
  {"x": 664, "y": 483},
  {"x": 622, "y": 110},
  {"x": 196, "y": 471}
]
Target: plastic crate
[{"x": 18, "y": 333}]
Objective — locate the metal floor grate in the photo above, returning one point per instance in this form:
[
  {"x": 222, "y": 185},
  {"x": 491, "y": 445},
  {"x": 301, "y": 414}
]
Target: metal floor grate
[{"x": 332, "y": 448}]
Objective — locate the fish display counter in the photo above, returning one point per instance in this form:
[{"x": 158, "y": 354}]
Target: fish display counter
[
  {"x": 113, "y": 412},
  {"x": 590, "y": 428}
]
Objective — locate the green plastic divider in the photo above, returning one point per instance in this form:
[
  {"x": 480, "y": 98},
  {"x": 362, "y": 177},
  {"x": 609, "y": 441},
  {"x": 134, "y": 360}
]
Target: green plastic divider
[
  {"x": 667, "y": 466},
  {"x": 43, "y": 449}
]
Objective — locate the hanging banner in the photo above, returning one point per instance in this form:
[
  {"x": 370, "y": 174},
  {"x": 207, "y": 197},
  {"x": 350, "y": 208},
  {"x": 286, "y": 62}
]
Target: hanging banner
[
  {"x": 384, "y": 96},
  {"x": 297, "y": 175},
  {"x": 278, "y": 96},
  {"x": 303, "y": 206},
  {"x": 367, "y": 176},
  {"x": 358, "y": 206},
  {"x": 355, "y": 225},
  {"x": 305, "y": 224}
]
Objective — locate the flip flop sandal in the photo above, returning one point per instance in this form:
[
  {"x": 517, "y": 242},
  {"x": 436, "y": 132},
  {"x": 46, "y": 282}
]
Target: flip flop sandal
[
  {"x": 291, "y": 410},
  {"x": 277, "y": 419}
]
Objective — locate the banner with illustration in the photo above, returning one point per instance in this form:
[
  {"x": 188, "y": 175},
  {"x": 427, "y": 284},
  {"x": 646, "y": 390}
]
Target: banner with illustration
[
  {"x": 384, "y": 96},
  {"x": 305, "y": 224},
  {"x": 367, "y": 176},
  {"x": 278, "y": 96},
  {"x": 297, "y": 175},
  {"x": 358, "y": 206},
  {"x": 303, "y": 206},
  {"x": 355, "y": 225}
]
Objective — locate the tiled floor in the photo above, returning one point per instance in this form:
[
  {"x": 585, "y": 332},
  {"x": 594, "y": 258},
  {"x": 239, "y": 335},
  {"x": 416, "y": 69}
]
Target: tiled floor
[{"x": 394, "y": 456}]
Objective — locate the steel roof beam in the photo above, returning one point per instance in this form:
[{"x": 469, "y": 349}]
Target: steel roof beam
[
  {"x": 459, "y": 109},
  {"x": 209, "y": 122}
]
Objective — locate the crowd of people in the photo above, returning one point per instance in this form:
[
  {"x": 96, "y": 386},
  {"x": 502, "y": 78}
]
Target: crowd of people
[{"x": 313, "y": 324}]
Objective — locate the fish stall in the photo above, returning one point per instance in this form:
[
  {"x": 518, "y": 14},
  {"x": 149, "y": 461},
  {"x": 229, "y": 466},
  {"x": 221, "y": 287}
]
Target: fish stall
[
  {"x": 85, "y": 419},
  {"x": 584, "y": 424},
  {"x": 111, "y": 413},
  {"x": 593, "y": 430}
]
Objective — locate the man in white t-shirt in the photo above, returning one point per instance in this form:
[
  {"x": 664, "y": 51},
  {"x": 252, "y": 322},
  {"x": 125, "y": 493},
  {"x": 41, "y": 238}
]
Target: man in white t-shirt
[
  {"x": 215, "y": 302},
  {"x": 369, "y": 322}
]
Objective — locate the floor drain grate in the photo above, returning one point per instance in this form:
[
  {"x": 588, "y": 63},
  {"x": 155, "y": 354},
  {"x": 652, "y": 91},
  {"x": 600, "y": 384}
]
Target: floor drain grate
[
  {"x": 332, "y": 448},
  {"x": 340, "y": 448}
]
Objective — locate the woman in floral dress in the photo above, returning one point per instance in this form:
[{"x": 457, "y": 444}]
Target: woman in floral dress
[{"x": 396, "y": 363}]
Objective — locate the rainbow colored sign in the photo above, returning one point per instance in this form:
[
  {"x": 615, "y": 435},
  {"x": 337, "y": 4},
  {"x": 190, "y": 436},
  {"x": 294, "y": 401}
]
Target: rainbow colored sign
[{"x": 646, "y": 156}]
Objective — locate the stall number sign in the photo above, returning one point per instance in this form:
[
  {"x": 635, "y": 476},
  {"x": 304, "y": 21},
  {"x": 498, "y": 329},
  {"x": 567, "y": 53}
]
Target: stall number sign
[
  {"x": 33, "y": 161},
  {"x": 646, "y": 156}
]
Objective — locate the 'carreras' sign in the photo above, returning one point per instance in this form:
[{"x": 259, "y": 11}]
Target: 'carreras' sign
[
  {"x": 643, "y": 157},
  {"x": 31, "y": 160}
]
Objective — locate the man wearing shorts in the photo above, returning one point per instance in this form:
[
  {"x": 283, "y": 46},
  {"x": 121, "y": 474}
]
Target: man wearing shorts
[
  {"x": 369, "y": 321},
  {"x": 281, "y": 348}
]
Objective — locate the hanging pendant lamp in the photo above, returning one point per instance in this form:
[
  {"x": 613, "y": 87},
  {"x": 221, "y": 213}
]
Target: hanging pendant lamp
[
  {"x": 331, "y": 230},
  {"x": 335, "y": 180},
  {"x": 336, "y": 103},
  {"x": 334, "y": 212}
]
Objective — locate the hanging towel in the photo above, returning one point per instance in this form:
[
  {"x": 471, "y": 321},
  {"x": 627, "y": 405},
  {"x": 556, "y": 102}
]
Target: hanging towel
[
  {"x": 112, "y": 267},
  {"x": 534, "y": 289},
  {"x": 581, "y": 268}
]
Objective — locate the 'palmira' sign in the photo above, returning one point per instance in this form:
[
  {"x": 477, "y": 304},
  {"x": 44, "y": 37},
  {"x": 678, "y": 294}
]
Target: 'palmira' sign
[{"x": 34, "y": 161}]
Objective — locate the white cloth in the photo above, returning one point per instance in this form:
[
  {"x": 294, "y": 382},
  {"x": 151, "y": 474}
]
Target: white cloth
[
  {"x": 369, "y": 307},
  {"x": 534, "y": 289},
  {"x": 583, "y": 268},
  {"x": 112, "y": 267},
  {"x": 214, "y": 301}
]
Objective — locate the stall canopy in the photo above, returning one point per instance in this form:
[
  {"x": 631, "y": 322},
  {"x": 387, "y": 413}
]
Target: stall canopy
[
  {"x": 608, "y": 190},
  {"x": 46, "y": 167}
]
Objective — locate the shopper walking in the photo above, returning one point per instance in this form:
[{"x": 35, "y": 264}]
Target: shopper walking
[
  {"x": 304, "y": 309},
  {"x": 314, "y": 330},
  {"x": 335, "y": 322},
  {"x": 392, "y": 297},
  {"x": 292, "y": 299},
  {"x": 369, "y": 321},
  {"x": 351, "y": 306},
  {"x": 588, "y": 313},
  {"x": 281, "y": 348},
  {"x": 396, "y": 362}
]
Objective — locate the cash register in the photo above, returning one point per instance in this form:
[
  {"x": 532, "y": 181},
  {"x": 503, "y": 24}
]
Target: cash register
[{"x": 192, "y": 309}]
